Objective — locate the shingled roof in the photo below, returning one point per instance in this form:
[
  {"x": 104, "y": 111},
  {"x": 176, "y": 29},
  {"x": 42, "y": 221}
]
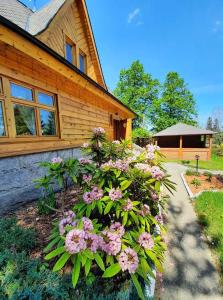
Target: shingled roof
[
  {"x": 24, "y": 17},
  {"x": 183, "y": 129}
]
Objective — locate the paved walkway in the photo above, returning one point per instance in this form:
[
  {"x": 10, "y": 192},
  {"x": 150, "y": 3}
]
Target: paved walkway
[{"x": 189, "y": 269}]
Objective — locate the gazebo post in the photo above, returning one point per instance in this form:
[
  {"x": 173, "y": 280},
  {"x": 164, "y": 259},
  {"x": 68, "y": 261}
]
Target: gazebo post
[
  {"x": 181, "y": 148},
  {"x": 210, "y": 147}
]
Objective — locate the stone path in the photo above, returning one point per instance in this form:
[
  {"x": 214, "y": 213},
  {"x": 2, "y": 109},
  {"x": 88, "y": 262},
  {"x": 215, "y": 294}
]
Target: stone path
[{"x": 189, "y": 269}]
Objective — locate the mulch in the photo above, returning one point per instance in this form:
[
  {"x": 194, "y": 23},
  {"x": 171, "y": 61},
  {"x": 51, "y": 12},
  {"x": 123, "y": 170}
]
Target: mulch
[{"x": 213, "y": 184}]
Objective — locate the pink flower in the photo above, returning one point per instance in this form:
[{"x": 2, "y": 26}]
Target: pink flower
[
  {"x": 115, "y": 194},
  {"x": 128, "y": 205},
  {"x": 85, "y": 145},
  {"x": 145, "y": 210},
  {"x": 128, "y": 260},
  {"x": 92, "y": 241},
  {"x": 117, "y": 228},
  {"x": 159, "y": 219},
  {"x": 150, "y": 155},
  {"x": 157, "y": 173},
  {"x": 85, "y": 161},
  {"x": 69, "y": 220},
  {"x": 146, "y": 241},
  {"x": 87, "y": 177},
  {"x": 116, "y": 142},
  {"x": 57, "y": 160},
  {"x": 75, "y": 241},
  {"x": 111, "y": 243},
  {"x": 154, "y": 196},
  {"x": 143, "y": 167},
  {"x": 98, "y": 131},
  {"x": 87, "y": 224},
  {"x": 97, "y": 193},
  {"x": 87, "y": 197},
  {"x": 118, "y": 164}
]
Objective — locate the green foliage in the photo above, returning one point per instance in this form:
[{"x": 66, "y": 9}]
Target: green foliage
[
  {"x": 185, "y": 162},
  {"x": 196, "y": 182},
  {"x": 209, "y": 207},
  {"x": 45, "y": 205},
  {"x": 14, "y": 237},
  {"x": 209, "y": 175},
  {"x": 175, "y": 105},
  {"x": 192, "y": 172},
  {"x": 138, "y": 90},
  {"x": 141, "y": 133}
]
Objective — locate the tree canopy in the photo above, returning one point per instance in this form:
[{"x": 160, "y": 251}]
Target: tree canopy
[
  {"x": 138, "y": 90},
  {"x": 159, "y": 106},
  {"x": 175, "y": 104}
]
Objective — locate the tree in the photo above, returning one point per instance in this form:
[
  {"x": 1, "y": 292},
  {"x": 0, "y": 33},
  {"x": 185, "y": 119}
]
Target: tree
[
  {"x": 175, "y": 105},
  {"x": 216, "y": 125},
  {"x": 138, "y": 90},
  {"x": 209, "y": 125}
]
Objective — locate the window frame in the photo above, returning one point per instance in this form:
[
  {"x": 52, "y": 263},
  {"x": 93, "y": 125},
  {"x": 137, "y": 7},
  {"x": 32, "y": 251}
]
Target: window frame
[
  {"x": 37, "y": 107},
  {"x": 4, "y": 118},
  {"x": 74, "y": 50},
  {"x": 81, "y": 53}
]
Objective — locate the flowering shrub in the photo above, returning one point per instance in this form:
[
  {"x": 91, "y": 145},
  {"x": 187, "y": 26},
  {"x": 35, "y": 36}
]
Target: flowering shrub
[{"x": 116, "y": 228}]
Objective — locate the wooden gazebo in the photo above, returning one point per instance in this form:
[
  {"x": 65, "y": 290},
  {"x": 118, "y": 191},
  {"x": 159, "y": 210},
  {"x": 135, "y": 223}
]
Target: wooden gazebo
[{"x": 183, "y": 141}]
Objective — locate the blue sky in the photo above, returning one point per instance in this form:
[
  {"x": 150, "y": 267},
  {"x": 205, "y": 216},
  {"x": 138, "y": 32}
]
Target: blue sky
[{"x": 184, "y": 36}]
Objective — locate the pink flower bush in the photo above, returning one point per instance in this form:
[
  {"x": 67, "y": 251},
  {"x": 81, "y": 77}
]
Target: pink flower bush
[
  {"x": 118, "y": 164},
  {"x": 154, "y": 196},
  {"x": 128, "y": 205},
  {"x": 98, "y": 131},
  {"x": 87, "y": 177},
  {"x": 128, "y": 260},
  {"x": 115, "y": 194},
  {"x": 157, "y": 173},
  {"x": 57, "y": 160},
  {"x": 146, "y": 241},
  {"x": 75, "y": 242},
  {"x": 87, "y": 197},
  {"x": 116, "y": 142},
  {"x": 92, "y": 241},
  {"x": 85, "y": 145},
  {"x": 87, "y": 224}
]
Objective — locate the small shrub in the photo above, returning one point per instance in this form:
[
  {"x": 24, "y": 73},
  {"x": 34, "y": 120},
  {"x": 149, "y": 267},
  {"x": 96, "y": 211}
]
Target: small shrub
[
  {"x": 220, "y": 177},
  {"x": 141, "y": 133},
  {"x": 196, "y": 182},
  {"x": 45, "y": 205},
  {"x": 13, "y": 236},
  {"x": 185, "y": 162},
  {"x": 202, "y": 219},
  {"x": 209, "y": 176},
  {"x": 191, "y": 172}
]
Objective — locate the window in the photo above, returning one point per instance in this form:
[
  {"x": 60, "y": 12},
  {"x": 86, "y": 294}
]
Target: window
[
  {"x": 70, "y": 51},
  {"x": 2, "y": 125},
  {"x": 34, "y": 111},
  {"x": 21, "y": 92},
  {"x": 82, "y": 62}
]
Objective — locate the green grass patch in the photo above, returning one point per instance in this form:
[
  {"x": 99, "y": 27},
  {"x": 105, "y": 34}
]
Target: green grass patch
[{"x": 209, "y": 208}]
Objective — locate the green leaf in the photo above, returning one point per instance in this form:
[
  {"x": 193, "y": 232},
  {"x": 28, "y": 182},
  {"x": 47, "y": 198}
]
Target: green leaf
[
  {"x": 55, "y": 252},
  {"x": 88, "y": 211},
  {"x": 112, "y": 271},
  {"x": 133, "y": 215},
  {"x": 51, "y": 244},
  {"x": 61, "y": 262},
  {"x": 108, "y": 207},
  {"x": 138, "y": 286},
  {"x": 125, "y": 219},
  {"x": 157, "y": 186},
  {"x": 87, "y": 267},
  {"x": 99, "y": 261},
  {"x": 76, "y": 272},
  {"x": 125, "y": 184},
  {"x": 89, "y": 254},
  {"x": 156, "y": 261},
  {"x": 100, "y": 208}
]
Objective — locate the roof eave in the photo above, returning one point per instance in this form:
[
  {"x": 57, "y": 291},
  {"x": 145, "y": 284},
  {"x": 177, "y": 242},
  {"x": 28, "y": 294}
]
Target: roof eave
[{"x": 50, "y": 51}]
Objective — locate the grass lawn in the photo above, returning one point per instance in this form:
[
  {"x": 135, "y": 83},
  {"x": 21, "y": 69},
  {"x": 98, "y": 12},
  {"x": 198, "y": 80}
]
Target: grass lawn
[
  {"x": 209, "y": 208},
  {"x": 215, "y": 163}
]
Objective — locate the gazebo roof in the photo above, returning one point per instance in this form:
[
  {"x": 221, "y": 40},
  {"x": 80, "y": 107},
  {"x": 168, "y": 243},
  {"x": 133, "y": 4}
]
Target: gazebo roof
[{"x": 183, "y": 129}]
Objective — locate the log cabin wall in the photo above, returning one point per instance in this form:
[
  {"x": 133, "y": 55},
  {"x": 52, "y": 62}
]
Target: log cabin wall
[{"x": 78, "y": 109}]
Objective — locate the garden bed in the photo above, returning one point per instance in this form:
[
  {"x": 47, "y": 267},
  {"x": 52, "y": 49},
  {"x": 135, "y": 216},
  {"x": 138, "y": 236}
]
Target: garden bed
[{"x": 197, "y": 182}]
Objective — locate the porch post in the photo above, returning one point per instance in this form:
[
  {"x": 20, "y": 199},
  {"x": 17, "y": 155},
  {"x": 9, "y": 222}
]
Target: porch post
[
  {"x": 128, "y": 134},
  {"x": 210, "y": 147},
  {"x": 181, "y": 148}
]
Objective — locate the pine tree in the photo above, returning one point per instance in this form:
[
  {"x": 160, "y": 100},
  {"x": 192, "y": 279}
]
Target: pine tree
[
  {"x": 209, "y": 125},
  {"x": 216, "y": 125}
]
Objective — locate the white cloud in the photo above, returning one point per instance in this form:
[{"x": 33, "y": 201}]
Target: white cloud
[
  {"x": 218, "y": 26},
  {"x": 132, "y": 15},
  {"x": 209, "y": 88}
]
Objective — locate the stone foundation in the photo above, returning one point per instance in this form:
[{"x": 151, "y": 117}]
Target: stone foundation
[{"x": 17, "y": 175}]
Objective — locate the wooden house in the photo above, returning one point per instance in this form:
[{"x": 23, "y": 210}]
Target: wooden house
[
  {"x": 52, "y": 89},
  {"x": 182, "y": 141}
]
